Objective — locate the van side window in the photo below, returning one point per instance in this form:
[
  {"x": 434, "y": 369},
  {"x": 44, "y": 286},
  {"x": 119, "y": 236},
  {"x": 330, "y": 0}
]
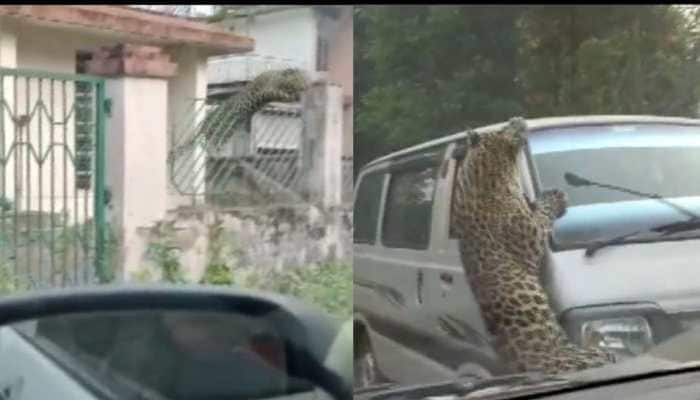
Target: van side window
[
  {"x": 409, "y": 205},
  {"x": 366, "y": 207}
]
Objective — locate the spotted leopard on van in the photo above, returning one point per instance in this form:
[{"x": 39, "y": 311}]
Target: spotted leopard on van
[{"x": 502, "y": 246}]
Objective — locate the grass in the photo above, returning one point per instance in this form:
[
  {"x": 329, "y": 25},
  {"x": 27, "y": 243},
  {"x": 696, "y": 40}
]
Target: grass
[{"x": 328, "y": 286}]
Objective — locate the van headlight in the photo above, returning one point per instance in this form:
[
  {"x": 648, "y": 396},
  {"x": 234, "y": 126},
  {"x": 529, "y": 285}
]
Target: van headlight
[
  {"x": 626, "y": 330},
  {"x": 626, "y": 337}
]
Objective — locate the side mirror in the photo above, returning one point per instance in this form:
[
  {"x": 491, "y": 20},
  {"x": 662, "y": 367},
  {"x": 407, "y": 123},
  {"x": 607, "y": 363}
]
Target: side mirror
[{"x": 168, "y": 342}]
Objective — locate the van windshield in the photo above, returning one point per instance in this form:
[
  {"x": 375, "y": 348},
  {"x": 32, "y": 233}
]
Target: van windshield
[{"x": 662, "y": 159}]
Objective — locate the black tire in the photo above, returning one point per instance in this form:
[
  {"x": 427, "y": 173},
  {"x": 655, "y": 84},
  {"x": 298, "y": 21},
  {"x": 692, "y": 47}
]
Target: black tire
[
  {"x": 473, "y": 370},
  {"x": 366, "y": 372}
]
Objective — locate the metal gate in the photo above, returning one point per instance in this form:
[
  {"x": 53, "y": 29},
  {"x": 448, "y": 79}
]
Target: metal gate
[
  {"x": 52, "y": 168},
  {"x": 228, "y": 161}
]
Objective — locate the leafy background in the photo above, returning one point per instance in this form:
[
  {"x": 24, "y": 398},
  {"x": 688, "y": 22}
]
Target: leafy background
[{"x": 422, "y": 72}]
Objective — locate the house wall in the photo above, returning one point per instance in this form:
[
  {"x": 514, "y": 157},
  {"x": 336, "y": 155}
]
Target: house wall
[{"x": 289, "y": 34}]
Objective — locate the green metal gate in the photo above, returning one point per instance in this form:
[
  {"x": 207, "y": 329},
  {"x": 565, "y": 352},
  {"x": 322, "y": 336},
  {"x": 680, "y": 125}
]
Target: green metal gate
[{"x": 52, "y": 173}]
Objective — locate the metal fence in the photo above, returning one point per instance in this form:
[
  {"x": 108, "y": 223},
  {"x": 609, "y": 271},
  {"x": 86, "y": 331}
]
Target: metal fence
[
  {"x": 225, "y": 161},
  {"x": 52, "y": 155}
]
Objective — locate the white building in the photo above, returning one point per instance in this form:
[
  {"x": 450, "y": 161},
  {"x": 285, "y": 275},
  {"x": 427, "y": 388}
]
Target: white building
[{"x": 316, "y": 39}]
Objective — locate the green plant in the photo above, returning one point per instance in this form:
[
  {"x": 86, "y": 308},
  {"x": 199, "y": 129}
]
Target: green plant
[
  {"x": 165, "y": 253},
  {"x": 6, "y": 204},
  {"x": 217, "y": 274},
  {"x": 9, "y": 282},
  {"x": 328, "y": 286},
  {"x": 222, "y": 253},
  {"x": 143, "y": 275},
  {"x": 112, "y": 246}
]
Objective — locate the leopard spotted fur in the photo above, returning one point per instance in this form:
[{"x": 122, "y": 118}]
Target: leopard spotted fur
[
  {"x": 503, "y": 239},
  {"x": 284, "y": 86}
]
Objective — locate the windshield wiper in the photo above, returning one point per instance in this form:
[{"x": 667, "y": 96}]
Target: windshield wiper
[
  {"x": 594, "y": 247},
  {"x": 577, "y": 181},
  {"x": 459, "y": 387},
  {"x": 692, "y": 223}
]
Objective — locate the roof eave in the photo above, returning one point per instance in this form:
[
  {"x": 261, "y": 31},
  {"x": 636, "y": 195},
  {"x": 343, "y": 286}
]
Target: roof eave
[{"x": 143, "y": 26}]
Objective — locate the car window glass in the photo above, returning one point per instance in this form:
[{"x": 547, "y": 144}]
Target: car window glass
[
  {"x": 366, "y": 208},
  {"x": 409, "y": 204}
]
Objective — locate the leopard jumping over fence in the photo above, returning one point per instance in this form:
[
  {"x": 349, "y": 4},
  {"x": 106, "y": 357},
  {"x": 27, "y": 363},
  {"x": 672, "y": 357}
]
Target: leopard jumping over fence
[
  {"x": 219, "y": 124},
  {"x": 502, "y": 244}
]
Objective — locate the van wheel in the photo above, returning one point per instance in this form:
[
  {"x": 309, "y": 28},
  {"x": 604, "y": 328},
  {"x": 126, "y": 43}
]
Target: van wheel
[
  {"x": 472, "y": 370},
  {"x": 365, "y": 366},
  {"x": 366, "y": 372}
]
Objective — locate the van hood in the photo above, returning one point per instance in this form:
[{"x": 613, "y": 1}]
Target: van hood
[
  {"x": 582, "y": 225},
  {"x": 665, "y": 273}
]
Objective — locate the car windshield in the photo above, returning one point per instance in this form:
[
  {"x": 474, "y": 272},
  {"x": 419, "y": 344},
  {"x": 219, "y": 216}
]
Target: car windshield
[
  {"x": 659, "y": 159},
  {"x": 556, "y": 151}
]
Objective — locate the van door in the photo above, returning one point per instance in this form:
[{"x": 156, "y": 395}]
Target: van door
[
  {"x": 394, "y": 268},
  {"x": 368, "y": 296},
  {"x": 456, "y": 314}
]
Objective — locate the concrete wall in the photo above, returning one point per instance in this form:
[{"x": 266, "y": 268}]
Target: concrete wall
[
  {"x": 265, "y": 235},
  {"x": 185, "y": 92},
  {"x": 260, "y": 237},
  {"x": 289, "y": 34},
  {"x": 340, "y": 71}
]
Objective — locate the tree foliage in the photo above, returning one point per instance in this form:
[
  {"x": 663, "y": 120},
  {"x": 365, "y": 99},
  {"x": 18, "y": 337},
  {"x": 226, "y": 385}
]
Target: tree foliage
[
  {"x": 426, "y": 71},
  {"x": 608, "y": 60}
]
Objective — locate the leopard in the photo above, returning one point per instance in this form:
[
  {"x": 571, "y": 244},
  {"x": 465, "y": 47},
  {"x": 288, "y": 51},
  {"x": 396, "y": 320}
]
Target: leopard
[
  {"x": 502, "y": 238},
  {"x": 277, "y": 85}
]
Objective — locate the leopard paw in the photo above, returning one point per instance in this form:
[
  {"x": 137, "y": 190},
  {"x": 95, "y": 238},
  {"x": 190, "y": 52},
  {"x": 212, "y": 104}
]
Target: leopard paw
[{"x": 553, "y": 202}]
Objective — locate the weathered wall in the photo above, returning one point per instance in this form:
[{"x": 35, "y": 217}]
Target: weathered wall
[
  {"x": 340, "y": 71},
  {"x": 289, "y": 34},
  {"x": 261, "y": 237}
]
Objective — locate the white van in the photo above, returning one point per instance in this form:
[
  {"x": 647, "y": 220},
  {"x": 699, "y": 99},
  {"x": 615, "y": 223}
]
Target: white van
[{"x": 623, "y": 268}]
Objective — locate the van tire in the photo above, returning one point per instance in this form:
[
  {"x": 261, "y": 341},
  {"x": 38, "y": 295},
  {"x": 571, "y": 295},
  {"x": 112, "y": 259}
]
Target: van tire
[
  {"x": 473, "y": 370},
  {"x": 366, "y": 372}
]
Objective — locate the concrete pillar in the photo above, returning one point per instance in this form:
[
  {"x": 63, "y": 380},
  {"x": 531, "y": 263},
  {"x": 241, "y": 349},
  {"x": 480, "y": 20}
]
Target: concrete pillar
[
  {"x": 136, "y": 143},
  {"x": 187, "y": 93},
  {"x": 323, "y": 144}
]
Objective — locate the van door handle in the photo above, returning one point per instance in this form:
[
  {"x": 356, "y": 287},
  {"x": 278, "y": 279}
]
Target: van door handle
[
  {"x": 445, "y": 277},
  {"x": 419, "y": 287}
]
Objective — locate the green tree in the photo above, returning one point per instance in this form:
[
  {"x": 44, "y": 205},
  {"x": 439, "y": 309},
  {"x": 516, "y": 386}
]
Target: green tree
[
  {"x": 608, "y": 60},
  {"x": 426, "y": 71}
]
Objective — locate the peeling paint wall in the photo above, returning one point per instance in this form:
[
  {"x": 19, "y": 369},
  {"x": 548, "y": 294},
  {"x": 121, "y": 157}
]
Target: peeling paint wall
[{"x": 263, "y": 237}]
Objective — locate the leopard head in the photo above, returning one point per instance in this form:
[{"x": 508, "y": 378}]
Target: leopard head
[{"x": 490, "y": 159}]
